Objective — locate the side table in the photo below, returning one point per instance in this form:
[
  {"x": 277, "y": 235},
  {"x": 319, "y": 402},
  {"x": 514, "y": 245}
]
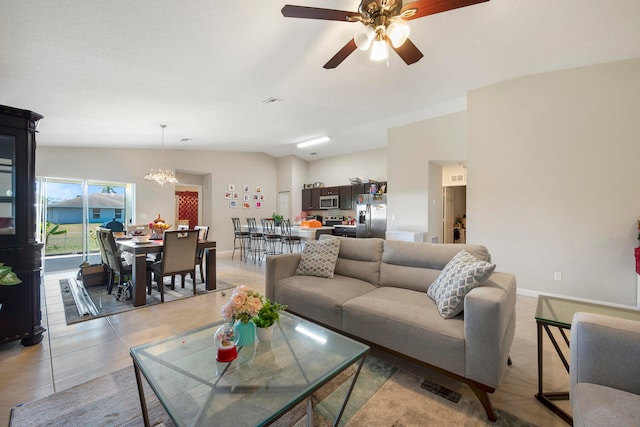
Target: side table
[{"x": 558, "y": 312}]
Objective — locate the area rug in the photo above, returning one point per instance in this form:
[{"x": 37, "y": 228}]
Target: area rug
[
  {"x": 384, "y": 396},
  {"x": 107, "y": 304}
]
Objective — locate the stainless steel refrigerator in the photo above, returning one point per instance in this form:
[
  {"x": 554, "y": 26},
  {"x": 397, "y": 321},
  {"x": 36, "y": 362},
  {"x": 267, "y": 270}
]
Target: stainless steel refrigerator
[{"x": 371, "y": 215}]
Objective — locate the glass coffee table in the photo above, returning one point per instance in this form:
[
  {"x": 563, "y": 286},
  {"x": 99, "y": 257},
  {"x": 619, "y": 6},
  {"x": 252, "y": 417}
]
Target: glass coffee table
[
  {"x": 558, "y": 312},
  {"x": 262, "y": 384}
]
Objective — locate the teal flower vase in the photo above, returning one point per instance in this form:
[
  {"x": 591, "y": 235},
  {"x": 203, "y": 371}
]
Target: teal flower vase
[{"x": 245, "y": 333}]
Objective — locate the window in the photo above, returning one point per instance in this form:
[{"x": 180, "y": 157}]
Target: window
[
  {"x": 95, "y": 213},
  {"x": 118, "y": 214}
]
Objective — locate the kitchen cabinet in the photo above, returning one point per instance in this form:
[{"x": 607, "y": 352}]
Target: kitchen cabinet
[
  {"x": 346, "y": 202},
  {"x": 20, "y": 315},
  {"x": 344, "y": 231},
  {"x": 330, "y": 191},
  {"x": 311, "y": 199},
  {"x": 355, "y": 191}
]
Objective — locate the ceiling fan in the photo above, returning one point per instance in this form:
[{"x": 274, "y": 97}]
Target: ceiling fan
[{"x": 384, "y": 25}]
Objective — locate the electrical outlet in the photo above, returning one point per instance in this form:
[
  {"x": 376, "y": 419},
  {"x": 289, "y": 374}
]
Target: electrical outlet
[{"x": 557, "y": 275}]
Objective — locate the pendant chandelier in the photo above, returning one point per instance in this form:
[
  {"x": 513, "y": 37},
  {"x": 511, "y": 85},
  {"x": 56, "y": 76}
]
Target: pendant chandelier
[{"x": 161, "y": 176}]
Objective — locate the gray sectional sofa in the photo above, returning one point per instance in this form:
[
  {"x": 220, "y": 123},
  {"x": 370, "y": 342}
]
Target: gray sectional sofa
[
  {"x": 605, "y": 374},
  {"x": 379, "y": 295}
]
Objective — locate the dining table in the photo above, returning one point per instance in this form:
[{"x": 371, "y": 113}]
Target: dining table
[{"x": 140, "y": 250}]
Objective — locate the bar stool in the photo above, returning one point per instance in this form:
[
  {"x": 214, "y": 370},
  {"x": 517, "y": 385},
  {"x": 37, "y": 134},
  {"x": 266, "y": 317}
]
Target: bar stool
[
  {"x": 256, "y": 241},
  {"x": 287, "y": 238},
  {"x": 240, "y": 238},
  {"x": 271, "y": 238}
]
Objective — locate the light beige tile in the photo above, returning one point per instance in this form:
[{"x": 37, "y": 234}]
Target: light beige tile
[{"x": 90, "y": 349}]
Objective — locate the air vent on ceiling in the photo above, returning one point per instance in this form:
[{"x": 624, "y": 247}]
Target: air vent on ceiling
[{"x": 457, "y": 178}]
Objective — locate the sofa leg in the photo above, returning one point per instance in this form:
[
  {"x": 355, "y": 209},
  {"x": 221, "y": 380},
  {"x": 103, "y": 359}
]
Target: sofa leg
[
  {"x": 509, "y": 362},
  {"x": 483, "y": 397}
]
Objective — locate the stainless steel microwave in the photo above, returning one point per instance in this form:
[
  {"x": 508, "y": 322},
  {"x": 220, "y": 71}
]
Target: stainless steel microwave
[{"x": 329, "y": 202}]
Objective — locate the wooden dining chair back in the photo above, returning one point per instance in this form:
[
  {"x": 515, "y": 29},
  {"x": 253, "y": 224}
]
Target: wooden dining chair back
[
  {"x": 117, "y": 268},
  {"x": 203, "y": 234},
  {"x": 178, "y": 258}
]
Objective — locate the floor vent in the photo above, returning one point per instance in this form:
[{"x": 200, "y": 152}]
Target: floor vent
[{"x": 442, "y": 391}]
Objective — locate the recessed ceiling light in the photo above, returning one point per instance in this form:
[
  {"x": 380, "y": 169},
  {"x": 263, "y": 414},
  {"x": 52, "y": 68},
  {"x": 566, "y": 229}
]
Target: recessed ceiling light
[{"x": 272, "y": 100}]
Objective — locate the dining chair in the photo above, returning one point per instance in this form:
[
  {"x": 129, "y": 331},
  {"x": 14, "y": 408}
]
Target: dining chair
[
  {"x": 240, "y": 238},
  {"x": 203, "y": 234},
  {"x": 117, "y": 268},
  {"x": 287, "y": 238},
  {"x": 256, "y": 241},
  {"x": 178, "y": 258}
]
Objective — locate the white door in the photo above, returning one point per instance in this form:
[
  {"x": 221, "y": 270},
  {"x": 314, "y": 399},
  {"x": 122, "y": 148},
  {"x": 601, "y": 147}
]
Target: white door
[
  {"x": 447, "y": 215},
  {"x": 284, "y": 204}
]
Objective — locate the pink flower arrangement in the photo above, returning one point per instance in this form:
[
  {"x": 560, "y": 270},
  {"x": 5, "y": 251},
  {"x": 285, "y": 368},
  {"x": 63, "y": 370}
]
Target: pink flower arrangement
[{"x": 243, "y": 304}]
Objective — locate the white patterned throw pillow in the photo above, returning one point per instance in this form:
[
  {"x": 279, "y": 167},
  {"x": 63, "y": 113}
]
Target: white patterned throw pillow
[
  {"x": 463, "y": 273},
  {"x": 319, "y": 258}
]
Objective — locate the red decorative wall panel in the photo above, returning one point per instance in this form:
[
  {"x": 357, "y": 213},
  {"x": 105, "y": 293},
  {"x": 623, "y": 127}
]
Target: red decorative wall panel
[{"x": 188, "y": 206}]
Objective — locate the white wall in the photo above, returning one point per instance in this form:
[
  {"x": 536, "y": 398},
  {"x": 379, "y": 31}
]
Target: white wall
[
  {"x": 553, "y": 179},
  {"x": 410, "y": 150},
  {"x": 122, "y": 165},
  {"x": 371, "y": 164},
  {"x": 292, "y": 174}
]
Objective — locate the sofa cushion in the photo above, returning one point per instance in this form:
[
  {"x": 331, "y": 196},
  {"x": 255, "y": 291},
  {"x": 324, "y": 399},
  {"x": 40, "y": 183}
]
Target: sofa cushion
[
  {"x": 598, "y": 405},
  {"x": 319, "y": 258},
  {"x": 407, "y": 322},
  {"x": 463, "y": 273},
  {"x": 319, "y": 299},
  {"x": 360, "y": 259}
]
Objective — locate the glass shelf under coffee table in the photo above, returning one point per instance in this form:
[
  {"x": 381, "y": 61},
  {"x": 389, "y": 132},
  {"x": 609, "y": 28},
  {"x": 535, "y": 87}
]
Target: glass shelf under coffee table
[
  {"x": 261, "y": 385},
  {"x": 558, "y": 312}
]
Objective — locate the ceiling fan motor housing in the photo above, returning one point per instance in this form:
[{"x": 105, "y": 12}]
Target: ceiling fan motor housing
[{"x": 372, "y": 9}]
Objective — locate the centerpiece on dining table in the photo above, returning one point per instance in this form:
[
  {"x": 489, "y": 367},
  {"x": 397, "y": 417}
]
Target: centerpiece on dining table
[{"x": 158, "y": 226}]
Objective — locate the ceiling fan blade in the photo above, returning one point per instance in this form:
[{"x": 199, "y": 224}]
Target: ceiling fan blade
[
  {"x": 408, "y": 52},
  {"x": 342, "y": 54},
  {"x": 290, "y": 11},
  {"x": 431, "y": 7}
]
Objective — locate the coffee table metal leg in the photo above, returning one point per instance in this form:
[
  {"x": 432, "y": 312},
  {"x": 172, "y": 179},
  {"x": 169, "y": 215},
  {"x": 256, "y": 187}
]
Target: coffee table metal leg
[
  {"x": 346, "y": 398},
  {"x": 309, "y": 412},
  {"x": 143, "y": 402}
]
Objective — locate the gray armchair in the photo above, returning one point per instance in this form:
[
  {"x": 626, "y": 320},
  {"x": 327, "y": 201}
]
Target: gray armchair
[{"x": 605, "y": 371}]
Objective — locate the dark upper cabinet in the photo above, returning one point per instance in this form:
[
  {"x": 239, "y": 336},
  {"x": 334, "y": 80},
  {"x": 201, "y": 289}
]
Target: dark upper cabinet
[
  {"x": 346, "y": 202},
  {"x": 330, "y": 191},
  {"x": 306, "y": 199},
  {"x": 355, "y": 191},
  {"x": 311, "y": 199},
  {"x": 20, "y": 315}
]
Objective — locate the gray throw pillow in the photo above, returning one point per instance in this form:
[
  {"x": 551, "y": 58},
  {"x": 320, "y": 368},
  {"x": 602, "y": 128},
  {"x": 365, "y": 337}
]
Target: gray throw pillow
[
  {"x": 319, "y": 258},
  {"x": 463, "y": 273}
]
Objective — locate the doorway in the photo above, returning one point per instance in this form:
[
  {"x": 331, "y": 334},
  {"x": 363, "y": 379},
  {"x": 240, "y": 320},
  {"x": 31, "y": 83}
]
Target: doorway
[{"x": 454, "y": 203}]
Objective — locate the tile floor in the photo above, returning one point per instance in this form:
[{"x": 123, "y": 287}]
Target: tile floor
[{"x": 70, "y": 355}]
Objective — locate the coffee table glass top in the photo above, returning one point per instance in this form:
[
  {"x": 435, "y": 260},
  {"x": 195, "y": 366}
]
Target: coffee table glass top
[
  {"x": 560, "y": 311},
  {"x": 263, "y": 383}
]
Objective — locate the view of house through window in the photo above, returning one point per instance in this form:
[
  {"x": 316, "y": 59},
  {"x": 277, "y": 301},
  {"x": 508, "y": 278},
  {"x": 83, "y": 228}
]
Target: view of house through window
[{"x": 70, "y": 211}]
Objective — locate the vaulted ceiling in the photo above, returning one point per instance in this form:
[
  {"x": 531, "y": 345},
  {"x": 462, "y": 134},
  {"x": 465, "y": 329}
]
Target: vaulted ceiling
[{"x": 107, "y": 73}]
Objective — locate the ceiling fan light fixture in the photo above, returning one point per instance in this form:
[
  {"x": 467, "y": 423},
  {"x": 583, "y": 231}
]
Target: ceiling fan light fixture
[
  {"x": 378, "y": 50},
  {"x": 398, "y": 32},
  {"x": 364, "y": 38}
]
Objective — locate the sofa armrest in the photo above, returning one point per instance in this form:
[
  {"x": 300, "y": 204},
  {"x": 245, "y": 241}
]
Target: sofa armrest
[
  {"x": 489, "y": 328},
  {"x": 279, "y": 267},
  {"x": 604, "y": 351}
]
